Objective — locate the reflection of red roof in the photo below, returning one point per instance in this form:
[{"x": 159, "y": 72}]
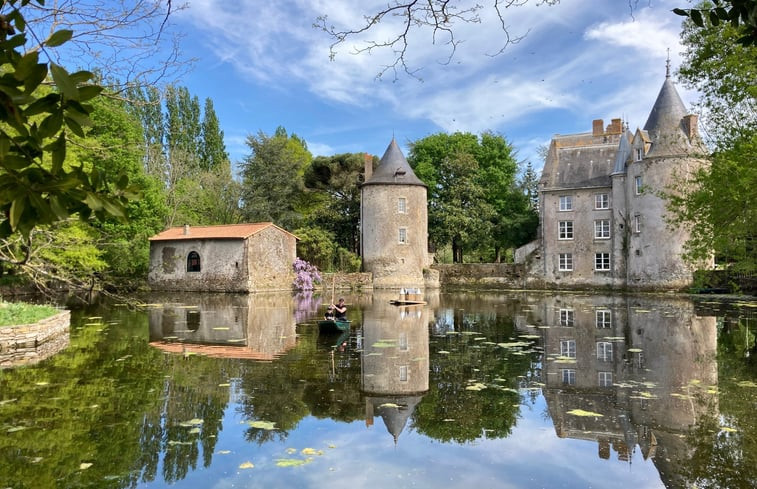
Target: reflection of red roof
[
  {"x": 227, "y": 231},
  {"x": 214, "y": 351}
]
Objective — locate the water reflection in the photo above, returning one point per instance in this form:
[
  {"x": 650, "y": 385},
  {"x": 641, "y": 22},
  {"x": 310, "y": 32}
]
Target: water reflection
[
  {"x": 467, "y": 385},
  {"x": 394, "y": 361},
  {"x": 254, "y": 326},
  {"x": 647, "y": 367}
]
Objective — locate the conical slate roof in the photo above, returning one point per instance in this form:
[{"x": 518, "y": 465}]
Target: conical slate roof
[
  {"x": 393, "y": 169},
  {"x": 664, "y": 124}
]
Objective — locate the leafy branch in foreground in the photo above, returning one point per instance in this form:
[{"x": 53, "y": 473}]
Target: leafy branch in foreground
[
  {"x": 37, "y": 187},
  {"x": 739, "y": 13}
]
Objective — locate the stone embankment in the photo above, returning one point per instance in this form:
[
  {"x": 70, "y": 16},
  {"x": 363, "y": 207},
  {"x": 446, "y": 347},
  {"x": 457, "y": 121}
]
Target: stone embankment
[{"x": 27, "y": 344}]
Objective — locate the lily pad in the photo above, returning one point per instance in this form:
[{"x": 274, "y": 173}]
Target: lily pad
[
  {"x": 263, "y": 425},
  {"x": 246, "y": 465},
  {"x": 311, "y": 451},
  {"x": 291, "y": 462},
  {"x": 581, "y": 412},
  {"x": 192, "y": 422},
  {"x": 84, "y": 465}
]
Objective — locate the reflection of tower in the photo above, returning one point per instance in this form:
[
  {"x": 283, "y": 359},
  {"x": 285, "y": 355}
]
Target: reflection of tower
[
  {"x": 256, "y": 326},
  {"x": 647, "y": 366},
  {"x": 395, "y": 361}
]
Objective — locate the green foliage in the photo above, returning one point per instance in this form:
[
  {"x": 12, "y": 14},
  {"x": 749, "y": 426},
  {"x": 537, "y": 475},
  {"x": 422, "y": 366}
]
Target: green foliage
[
  {"x": 23, "y": 313},
  {"x": 720, "y": 207},
  {"x": 474, "y": 202},
  {"x": 335, "y": 182},
  {"x": 316, "y": 246},
  {"x": 36, "y": 188},
  {"x": 739, "y": 14},
  {"x": 272, "y": 179}
]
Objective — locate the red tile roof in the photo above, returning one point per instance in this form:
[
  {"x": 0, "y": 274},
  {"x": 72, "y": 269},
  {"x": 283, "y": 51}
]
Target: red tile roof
[{"x": 226, "y": 231}]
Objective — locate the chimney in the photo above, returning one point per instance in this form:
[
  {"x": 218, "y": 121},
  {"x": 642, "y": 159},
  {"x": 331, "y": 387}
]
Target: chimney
[
  {"x": 368, "y": 166},
  {"x": 615, "y": 127},
  {"x": 597, "y": 127},
  {"x": 186, "y": 230},
  {"x": 691, "y": 126}
]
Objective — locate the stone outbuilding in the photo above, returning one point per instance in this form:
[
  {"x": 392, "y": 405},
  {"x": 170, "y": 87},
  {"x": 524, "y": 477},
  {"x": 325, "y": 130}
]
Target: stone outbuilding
[
  {"x": 602, "y": 202},
  {"x": 394, "y": 223},
  {"x": 227, "y": 258}
]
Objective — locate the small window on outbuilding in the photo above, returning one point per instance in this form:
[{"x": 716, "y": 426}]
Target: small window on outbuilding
[{"x": 193, "y": 262}]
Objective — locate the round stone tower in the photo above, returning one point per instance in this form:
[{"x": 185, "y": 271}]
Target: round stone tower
[
  {"x": 664, "y": 157},
  {"x": 394, "y": 223}
]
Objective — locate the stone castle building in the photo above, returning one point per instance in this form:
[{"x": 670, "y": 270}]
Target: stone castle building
[
  {"x": 394, "y": 224},
  {"x": 603, "y": 216}
]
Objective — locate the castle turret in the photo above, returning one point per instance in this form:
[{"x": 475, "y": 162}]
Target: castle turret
[
  {"x": 394, "y": 223},
  {"x": 664, "y": 157}
]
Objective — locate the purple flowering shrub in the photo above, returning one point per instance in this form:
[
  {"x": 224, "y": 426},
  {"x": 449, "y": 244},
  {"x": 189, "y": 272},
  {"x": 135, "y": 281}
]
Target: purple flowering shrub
[
  {"x": 305, "y": 275},
  {"x": 306, "y": 306}
]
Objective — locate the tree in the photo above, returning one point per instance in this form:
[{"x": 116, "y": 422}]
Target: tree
[
  {"x": 212, "y": 148},
  {"x": 272, "y": 179},
  {"x": 36, "y": 187},
  {"x": 740, "y": 14},
  {"x": 474, "y": 202},
  {"x": 720, "y": 207},
  {"x": 336, "y": 180}
]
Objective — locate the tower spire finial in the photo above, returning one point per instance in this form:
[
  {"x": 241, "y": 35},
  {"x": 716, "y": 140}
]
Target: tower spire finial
[{"x": 667, "y": 65}]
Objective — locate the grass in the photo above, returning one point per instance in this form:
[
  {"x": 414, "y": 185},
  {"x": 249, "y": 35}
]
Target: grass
[{"x": 12, "y": 313}]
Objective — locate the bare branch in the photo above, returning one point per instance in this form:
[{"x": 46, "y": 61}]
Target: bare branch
[{"x": 438, "y": 16}]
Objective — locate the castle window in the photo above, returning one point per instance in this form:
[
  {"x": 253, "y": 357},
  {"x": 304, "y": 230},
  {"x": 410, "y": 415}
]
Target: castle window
[
  {"x": 639, "y": 154},
  {"x": 604, "y": 351},
  {"x": 565, "y": 230},
  {"x": 568, "y": 376},
  {"x": 603, "y": 318},
  {"x": 602, "y": 201},
  {"x": 604, "y": 379},
  {"x": 566, "y": 262},
  {"x": 638, "y": 186},
  {"x": 403, "y": 236},
  {"x": 403, "y": 373},
  {"x": 402, "y": 205},
  {"x": 637, "y": 223},
  {"x": 567, "y": 317},
  {"x": 566, "y": 202},
  {"x": 193, "y": 262},
  {"x": 602, "y": 261},
  {"x": 602, "y": 229},
  {"x": 568, "y": 348}
]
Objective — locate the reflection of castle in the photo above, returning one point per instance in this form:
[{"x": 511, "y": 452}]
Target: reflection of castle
[
  {"x": 395, "y": 361},
  {"x": 646, "y": 366},
  {"x": 255, "y": 326}
]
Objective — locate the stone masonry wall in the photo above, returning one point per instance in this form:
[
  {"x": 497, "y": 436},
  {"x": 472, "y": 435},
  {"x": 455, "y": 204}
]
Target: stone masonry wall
[{"x": 30, "y": 343}]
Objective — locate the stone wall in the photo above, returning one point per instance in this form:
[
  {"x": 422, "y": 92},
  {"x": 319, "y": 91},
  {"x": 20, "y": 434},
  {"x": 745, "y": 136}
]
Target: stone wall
[
  {"x": 501, "y": 275},
  {"x": 30, "y": 343}
]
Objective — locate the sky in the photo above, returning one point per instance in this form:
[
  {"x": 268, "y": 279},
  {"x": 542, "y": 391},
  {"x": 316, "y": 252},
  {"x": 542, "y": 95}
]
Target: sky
[{"x": 264, "y": 65}]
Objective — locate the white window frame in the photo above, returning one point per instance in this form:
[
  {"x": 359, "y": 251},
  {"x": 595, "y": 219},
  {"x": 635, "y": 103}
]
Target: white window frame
[
  {"x": 604, "y": 351},
  {"x": 403, "y": 373},
  {"x": 602, "y": 229},
  {"x": 602, "y": 262},
  {"x": 402, "y": 236},
  {"x": 637, "y": 223},
  {"x": 603, "y": 318},
  {"x": 568, "y": 376},
  {"x": 604, "y": 379},
  {"x": 566, "y": 203},
  {"x": 639, "y": 154},
  {"x": 567, "y": 317},
  {"x": 638, "y": 185},
  {"x": 565, "y": 262},
  {"x": 402, "y": 205},
  {"x": 565, "y": 230},
  {"x": 568, "y": 348},
  {"x": 601, "y": 201}
]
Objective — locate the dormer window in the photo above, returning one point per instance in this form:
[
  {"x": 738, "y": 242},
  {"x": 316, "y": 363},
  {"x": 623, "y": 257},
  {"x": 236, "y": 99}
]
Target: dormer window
[{"x": 639, "y": 154}]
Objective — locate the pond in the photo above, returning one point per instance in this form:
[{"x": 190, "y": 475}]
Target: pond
[{"x": 470, "y": 389}]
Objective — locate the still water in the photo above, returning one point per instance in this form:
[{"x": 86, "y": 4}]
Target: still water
[{"x": 470, "y": 390}]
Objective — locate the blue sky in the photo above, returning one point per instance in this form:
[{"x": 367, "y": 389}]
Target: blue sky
[{"x": 264, "y": 65}]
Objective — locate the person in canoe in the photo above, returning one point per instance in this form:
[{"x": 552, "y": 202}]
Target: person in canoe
[
  {"x": 340, "y": 310},
  {"x": 329, "y": 315}
]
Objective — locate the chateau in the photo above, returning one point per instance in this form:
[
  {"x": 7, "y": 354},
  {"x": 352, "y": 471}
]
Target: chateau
[{"x": 603, "y": 216}]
